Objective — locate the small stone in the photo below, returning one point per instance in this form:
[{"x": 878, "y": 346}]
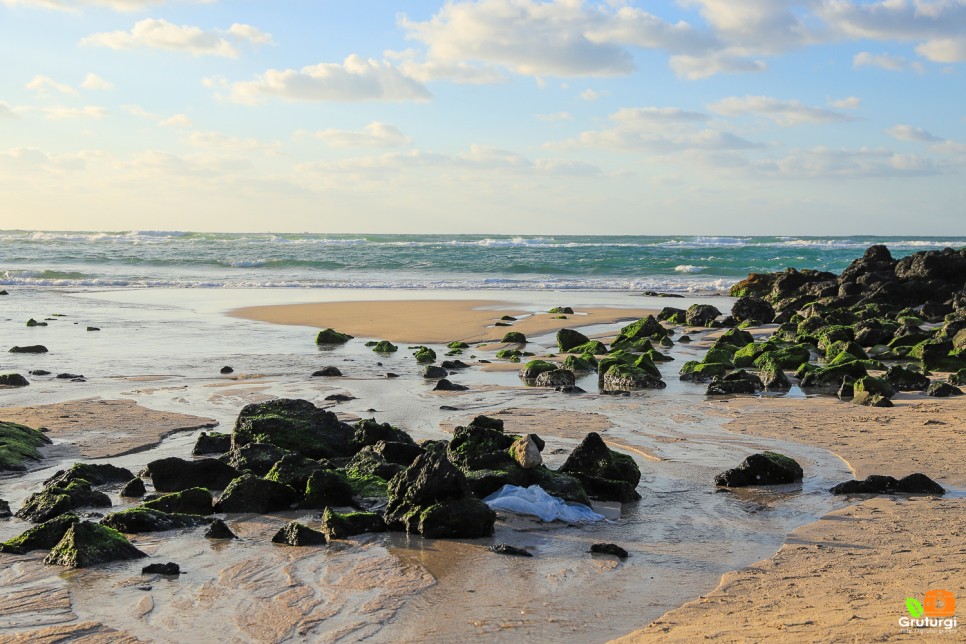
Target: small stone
[
  {"x": 162, "y": 569},
  {"x": 93, "y": 328},
  {"x": 526, "y": 452},
  {"x": 504, "y": 549},
  {"x": 226, "y": 370},
  {"x": 339, "y": 398},
  {"x": 297, "y": 534},
  {"x": 219, "y": 530},
  {"x": 446, "y": 385},
  {"x": 609, "y": 549},
  {"x": 13, "y": 380},
  {"x": 327, "y": 372},
  {"x": 133, "y": 489}
]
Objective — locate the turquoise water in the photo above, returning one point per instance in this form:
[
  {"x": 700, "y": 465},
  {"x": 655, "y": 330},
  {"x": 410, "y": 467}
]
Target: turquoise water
[{"x": 211, "y": 260}]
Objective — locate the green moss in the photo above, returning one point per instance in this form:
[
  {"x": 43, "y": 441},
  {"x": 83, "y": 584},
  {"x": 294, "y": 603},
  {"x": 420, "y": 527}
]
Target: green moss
[
  {"x": 534, "y": 368},
  {"x": 424, "y": 355},
  {"x": 509, "y": 354},
  {"x": 367, "y": 485},
  {"x": 385, "y": 346},
  {"x": 746, "y": 356},
  {"x": 593, "y": 347},
  {"x": 580, "y": 364},
  {"x": 19, "y": 443},
  {"x": 720, "y": 354},
  {"x": 515, "y": 337},
  {"x": 42, "y": 537},
  {"x": 88, "y": 544},
  {"x": 791, "y": 357},
  {"x": 702, "y": 371},
  {"x": 331, "y": 336},
  {"x": 562, "y": 309},
  {"x": 781, "y": 460}
]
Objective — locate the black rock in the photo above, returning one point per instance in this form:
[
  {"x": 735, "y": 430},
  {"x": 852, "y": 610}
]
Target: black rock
[
  {"x": 5, "y": 509},
  {"x": 195, "y": 500},
  {"x": 133, "y": 488},
  {"x": 567, "y": 339},
  {"x": 752, "y": 308},
  {"x": 297, "y": 534},
  {"x": 93, "y": 328},
  {"x": 226, "y": 370},
  {"x": 162, "y": 569},
  {"x": 453, "y": 364},
  {"x": 701, "y": 315},
  {"x": 13, "y": 380},
  {"x": 258, "y": 458},
  {"x": 767, "y": 468},
  {"x": 89, "y": 544},
  {"x": 42, "y": 537},
  {"x": 294, "y": 425},
  {"x": 68, "y": 376},
  {"x": 343, "y": 526},
  {"x": 943, "y": 390},
  {"x": 339, "y": 398},
  {"x": 327, "y": 488},
  {"x": 140, "y": 520},
  {"x": 504, "y": 549},
  {"x": 219, "y": 530},
  {"x": 327, "y": 372},
  {"x": 906, "y": 379},
  {"x": 878, "y": 484},
  {"x": 39, "y": 372},
  {"x": 605, "y": 474},
  {"x": 211, "y": 443},
  {"x": 446, "y": 385},
  {"x": 249, "y": 493},
  {"x": 175, "y": 474},
  {"x": 570, "y": 389},
  {"x": 93, "y": 473},
  {"x": 433, "y": 372},
  {"x": 609, "y": 549},
  {"x": 35, "y": 348}
]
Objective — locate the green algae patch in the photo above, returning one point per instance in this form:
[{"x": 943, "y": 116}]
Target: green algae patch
[
  {"x": 19, "y": 443},
  {"x": 88, "y": 544}
]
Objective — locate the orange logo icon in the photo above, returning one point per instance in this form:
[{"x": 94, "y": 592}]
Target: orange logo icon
[{"x": 939, "y": 603}]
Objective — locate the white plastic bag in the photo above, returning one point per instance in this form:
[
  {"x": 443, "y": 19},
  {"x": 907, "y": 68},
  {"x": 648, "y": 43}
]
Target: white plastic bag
[{"x": 536, "y": 502}]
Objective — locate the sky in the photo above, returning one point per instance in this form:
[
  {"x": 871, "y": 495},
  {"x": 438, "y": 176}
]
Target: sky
[{"x": 822, "y": 117}]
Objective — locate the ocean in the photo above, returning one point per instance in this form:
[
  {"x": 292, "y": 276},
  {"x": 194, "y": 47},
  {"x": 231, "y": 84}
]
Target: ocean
[{"x": 679, "y": 264}]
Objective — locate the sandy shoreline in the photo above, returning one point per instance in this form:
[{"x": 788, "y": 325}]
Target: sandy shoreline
[{"x": 431, "y": 321}]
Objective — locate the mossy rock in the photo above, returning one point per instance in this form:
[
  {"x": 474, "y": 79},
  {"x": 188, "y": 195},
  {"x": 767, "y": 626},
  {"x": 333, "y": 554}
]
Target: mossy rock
[
  {"x": 656, "y": 356},
  {"x": 534, "y": 368},
  {"x": 457, "y": 344},
  {"x": 694, "y": 371},
  {"x": 958, "y": 378},
  {"x": 13, "y": 380},
  {"x": 41, "y": 537},
  {"x": 18, "y": 444},
  {"x": 746, "y": 356},
  {"x": 646, "y": 363},
  {"x": 248, "y": 493},
  {"x": 561, "y": 310},
  {"x": 623, "y": 377},
  {"x": 88, "y": 544},
  {"x": 637, "y": 345},
  {"x": 720, "y": 354},
  {"x": 641, "y": 329},
  {"x": 510, "y": 354},
  {"x": 141, "y": 520},
  {"x": 604, "y": 473},
  {"x": 299, "y": 535},
  {"x": 583, "y": 364},
  {"x": 327, "y": 488},
  {"x": 336, "y": 525},
  {"x": 831, "y": 377},
  {"x": 514, "y": 337},
  {"x": 195, "y": 500},
  {"x": 593, "y": 347},
  {"x": 368, "y": 432},
  {"x": 331, "y": 336},
  {"x": 257, "y": 458},
  {"x": 368, "y": 486},
  {"x": 384, "y": 346},
  {"x": 424, "y": 355},
  {"x": 93, "y": 473},
  {"x": 739, "y": 382},
  {"x": 773, "y": 376},
  {"x": 559, "y": 484},
  {"x": 846, "y": 346},
  {"x": 736, "y": 338},
  {"x": 791, "y": 357},
  {"x": 294, "y": 470},
  {"x": 568, "y": 339},
  {"x": 297, "y": 426},
  {"x": 59, "y": 498},
  {"x": 767, "y": 468}
]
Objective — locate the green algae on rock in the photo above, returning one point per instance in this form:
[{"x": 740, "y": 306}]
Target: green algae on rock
[
  {"x": 331, "y": 336},
  {"x": 19, "y": 443},
  {"x": 88, "y": 544}
]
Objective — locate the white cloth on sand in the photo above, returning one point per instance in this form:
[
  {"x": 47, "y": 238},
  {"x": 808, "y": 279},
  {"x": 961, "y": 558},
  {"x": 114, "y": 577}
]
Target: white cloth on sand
[{"x": 535, "y": 501}]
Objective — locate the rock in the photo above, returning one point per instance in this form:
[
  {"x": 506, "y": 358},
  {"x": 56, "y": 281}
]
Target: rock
[
  {"x": 942, "y": 390},
  {"x": 295, "y": 471},
  {"x": 95, "y": 474},
  {"x": 904, "y": 379},
  {"x": 170, "y": 569},
  {"x": 877, "y": 484},
  {"x": 331, "y": 336},
  {"x": 605, "y": 474},
  {"x": 369, "y": 462},
  {"x": 694, "y": 371},
  {"x": 257, "y": 458},
  {"x": 435, "y": 373},
  {"x": 212, "y": 443},
  {"x": 739, "y": 382},
  {"x": 504, "y": 549},
  {"x": 534, "y": 368},
  {"x": 773, "y": 377},
  {"x": 958, "y": 378},
  {"x": 432, "y": 498},
  {"x": 4, "y": 292},
  {"x": 248, "y": 493},
  {"x": 514, "y": 337},
  {"x": 672, "y": 315},
  {"x": 19, "y": 444},
  {"x": 39, "y": 372},
  {"x": 297, "y": 534},
  {"x": 561, "y": 310},
  {"x": 625, "y": 377},
  {"x": 295, "y": 425},
  {"x": 327, "y": 372},
  {"x": 767, "y": 468},
  {"x": 226, "y": 370},
  {"x": 140, "y": 520},
  {"x": 556, "y": 378},
  {"x": 13, "y": 380},
  {"x": 397, "y": 452},
  {"x": 88, "y": 544},
  {"x": 42, "y": 537},
  {"x": 424, "y": 355},
  {"x": 701, "y": 315},
  {"x": 453, "y": 364},
  {"x": 192, "y": 501},
  {"x": 61, "y": 497},
  {"x": 339, "y": 398},
  {"x": 342, "y": 526},
  {"x": 872, "y": 392},
  {"x": 635, "y": 336},
  {"x": 5, "y": 510},
  {"x": 609, "y": 549},
  {"x": 327, "y": 488},
  {"x": 219, "y": 530},
  {"x": 93, "y": 328},
  {"x": 446, "y": 385},
  {"x": 568, "y": 339},
  {"x": 384, "y": 346},
  {"x": 750, "y": 307},
  {"x": 34, "y": 348},
  {"x": 175, "y": 474},
  {"x": 369, "y": 432},
  {"x": 133, "y": 489},
  {"x": 32, "y": 323},
  {"x": 526, "y": 452}
]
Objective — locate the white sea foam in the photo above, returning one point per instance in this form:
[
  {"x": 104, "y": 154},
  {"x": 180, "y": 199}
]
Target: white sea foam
[{"x": 689, "y": 268}]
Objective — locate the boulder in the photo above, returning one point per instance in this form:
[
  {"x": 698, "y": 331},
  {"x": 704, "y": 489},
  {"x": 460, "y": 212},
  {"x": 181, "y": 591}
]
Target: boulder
[
  {"x": 958, "y": 378},
  {"x": 211, "y": 443},
  {"x": 446, "y": 385},
  {"x": 701, "y": 315},
  {"x": 336, "y": 525},
  {"x": 219, "y": 530},
  {"x": 773, "y": 377},
  {"x": 556, "y": 378},
  {"x": 327, "y": 372},
  {"x": 141, "y": 520},
  {"x": 672, "y": 315},
  {"x": 297, "y": 534},
  {"x": 942, "y": 390},
  {"x": 624, "y": 377},
  {"x": 526, "y": 452},
  {"x": 368, "y": 461},
  {"x": 694, "y": 371},
  {"x": 294, "y": 470},
  {"x": 331, "y": 336},
  {"x": 224, "y": 370},
  {"x": 133, "y": 489},
  {"x": 397, "y": 452},
  {"x": 5, "y": 511},
  {"x": 512, "y": 551},
  {"x": 432, "y": 498},
  {"x": 88, "y": 544},
  {"x": 19, "y": 444},
  {"x": 369, "y": 432},
  {"x": 175, "y": 474},
  {"x": 424, "y": 355},
  {"x": 327, "y": 488},
  {"x": 561, "y": 310},
  {"x": 767, "y": 468},
  {"x": 249, "y": 493},
  {"x": 195, "y": 500},
  {"x": 170, "y": 569},
  {"x": 739, "y": 382},
  {"x": 568, "y": 339},
  {"x": 60, "y": 498},
  {"x": 609, "y": 549},
  {"x": 903, "y": 379},
  {"x": 41, "y": 537},
  {"x": 872, "y": 392},
  {"x": 635, "y": 336},
  {"x": 877, "y": 484},
  {"x": 95, "y": 474},
  {"x": 257, "y": 458},
  {"x": 514, "y": 337},
  {"x": 35, "y": 348},
  {"x": 13, "y": 380},
  {"x": 750, "y": 307},
  {"x": 434, "y": 373},
  {"x": 295, "y": 425},
  {"x": 605, "y": 474}
]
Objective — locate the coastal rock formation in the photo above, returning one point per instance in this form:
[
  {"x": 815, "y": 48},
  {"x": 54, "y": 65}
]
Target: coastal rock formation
[
  {"x": 141, "y": 520},
  {"x": 336, "y": 525},
  {"x": 298, "y": 534},
  {"x": 18, "y": 444},
  {"x": 331, "y": 336},
  {"x": 567, "y": 339},
  {"x": 609, "y": 549},
  {"x": 41, "y": 537},
  {"x": 294, "y": 425},
  {"x": 327, "y": 372},
  {"x": 257, "y": 458},
  {"x": 60, "y": 498},
  {"x": 211, "y": 443},
  {"x": 514, "y": 337},
  {"x": 248, "y": 493},
  {"x": 219, "y": 530},
  {"x": 133, "y": 489},
  {"x": 605, "y": 474},
  {"x": 750, "y": 307},
  {"x": 175, "y": 474},
  {"x": 942, "y": 390},
  {"x": 13, "y": 380},
  {"x": 34, "y": 348},
  {"x": 878, "y": 484},
  {"x": 5, "y": 509},
  {"x": 767, "y": 468},
  {"x": 93, "y": 473},
  {"x": 701, "y": 315},
  {"x": 556, "y": 378},
  {"x": 88, "y": 544},
  {"x": 739, "y": 382},
  {"x": 195, "y": 500}
]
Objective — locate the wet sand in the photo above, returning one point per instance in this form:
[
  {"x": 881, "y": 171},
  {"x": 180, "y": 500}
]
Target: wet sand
[{"x": 431, "y": 321}]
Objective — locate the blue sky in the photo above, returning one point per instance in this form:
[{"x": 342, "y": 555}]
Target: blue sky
[{"x": 499, "y": 116}]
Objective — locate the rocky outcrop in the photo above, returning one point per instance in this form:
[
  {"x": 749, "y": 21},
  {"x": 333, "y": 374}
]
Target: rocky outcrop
[
  {"x": 175, "y": 474},
  {"x": 294, "y": 425},
  {"x": 878, "y": 484},
  {"x": 336, "y": 525},
  {"x": 298, "y": 534},
  {"x": 767, "y": 468},
  {"x": 605, "y": 474},
  {"x": 248, "y": 493},
  {"x": 88, "y": 544}
]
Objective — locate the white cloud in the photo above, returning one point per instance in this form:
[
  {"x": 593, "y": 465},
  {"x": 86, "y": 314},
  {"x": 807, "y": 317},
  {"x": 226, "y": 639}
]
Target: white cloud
[
  {"x": 591, "y": 94},
  {"x": 830, "y": 163},
  {"x": 29, "y": 159},
  {"x": 849, "y": 103},
  {"x": 93, "y": 81},
  {"x": 161, "y": 34},
  {"x": 178, "y": 121},
  {"x": 225, "y": 143},
  {"x": 117, "y": 5},
  {"x": 910, "y": 133},
  {"x": 782, "y": 112},
  {"x": 6, "y": 111},
  {"x": 44, "y": 85},
  {"x": 699, "y": 67},
  {"x": 374, "y": 135},
  {"x": 434, "y": 70},
  {"x": 555, "y": 116},
  {"x": 757, "y": 26},
  {"x": 944, "y": 50},
  {"x": 886, "y": 62},
  {"x": 60, "y": 112},
  {"x": 356, "y": 79}
]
